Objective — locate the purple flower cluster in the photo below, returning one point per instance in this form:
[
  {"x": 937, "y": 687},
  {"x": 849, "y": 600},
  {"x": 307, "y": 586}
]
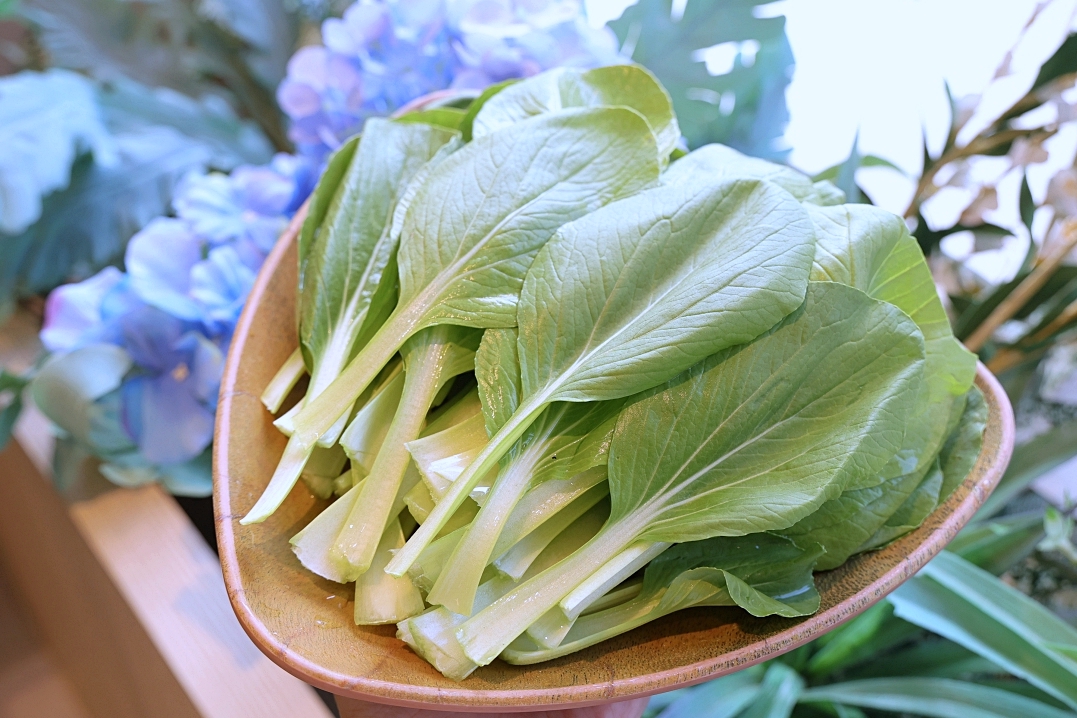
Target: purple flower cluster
[
  {"x": 384, "y": 53},
  {"x": 174, "y": 311}
]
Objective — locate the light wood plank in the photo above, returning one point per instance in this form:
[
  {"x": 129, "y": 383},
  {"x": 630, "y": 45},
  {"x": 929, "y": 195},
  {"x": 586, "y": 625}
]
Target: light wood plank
[
  {"x": 351, "y": 708},
  {"x": 31, "y": 683},
  {"x": 85, "y": 622},
  {"x": 172, "y": 581}
]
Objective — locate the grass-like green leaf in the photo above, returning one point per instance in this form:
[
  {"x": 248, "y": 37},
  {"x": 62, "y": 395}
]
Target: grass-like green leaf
[
  {"x": 969, "y": 606},
  {"x": 934, "y": 697}
]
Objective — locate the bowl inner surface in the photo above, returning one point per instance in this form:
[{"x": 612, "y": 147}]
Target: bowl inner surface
[{"x": 304, "y": 622}]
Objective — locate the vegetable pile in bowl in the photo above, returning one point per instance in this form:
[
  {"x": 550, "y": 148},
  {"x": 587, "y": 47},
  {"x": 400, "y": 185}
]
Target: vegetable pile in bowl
[{"x": 566, "y": 378}]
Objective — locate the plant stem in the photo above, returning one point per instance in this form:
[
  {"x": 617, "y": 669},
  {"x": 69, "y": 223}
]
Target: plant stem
[
  {"x": 283, "y": 381},
  {"x": 366, "y": 523},
  {"x": 319, "y": 414},
  {"x": 499, "y": 445},
  {"x": 490, "y": 631},
  {"x": 456, "y": 586},
  {"x": 1024, "y": 291}
]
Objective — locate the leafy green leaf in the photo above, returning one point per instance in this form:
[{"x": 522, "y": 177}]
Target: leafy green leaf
[
  {"x": 719, "y": 161},
  {"x": 347, "y": 259},
  {"x": 497, "y": 369},
  {"x": 762, "y": 573},
  {"x": 474, "y": 228},
  {"x": 468, "y": 123},
  {"x": 969, "y": 606},
  {"x": 743, "y": 108},
  {"x": 844, "y": 525},
  {"x": 936, "y": 697},
  {"x": 912, "y": 511},
  {"x": 750, "y": 440},
  {"x": 997, "y": 545},
  {"x": 714, "y": 265},
  {"x": 778, "y": 693},
  {"x": 615, "y": 85},
  {"x": 449, "y": 118},
  {"x": 828, "y": 388},
  {"x": 47, "y": 119},
  {"x": 477, "y": 223}
]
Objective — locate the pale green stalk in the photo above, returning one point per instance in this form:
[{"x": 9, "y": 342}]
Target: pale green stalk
[
  {"x": 552, "y": 628},
  {"x": 430, "y": 363},
  {"x": 487, "y": 459},
  {"x": 518, "y": 558},
  {"x": 546, "y": 501},
  {"x": 284, "y": 381},
  {"x": 585, "y": 631},
  {"x": 365, "y": 435},
  {"x": 322, "y": 470},
  {"x": 625, "y": 592},
  {"x": 379, "y": 597},
  {"x": 432, "y": 634},
  {"x": 491, "y": 630},
  {"x": 441, "y": 456},
  {"x": 455, "y": 588},
  {"x": 426, "y": 570},
  {"x": 312, "y": 544},
  {"x": 614, "y": 572},
  {"x": 419, "y": 502}
]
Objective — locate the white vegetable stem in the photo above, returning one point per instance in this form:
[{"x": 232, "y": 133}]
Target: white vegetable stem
[
  {"x": 283, "y": 381},
  {"x": 490, "y": 631},
  {"x": 320, "y": 414},
  {"x": 487, "y": 459},
  {"x": 455, "y": 588},
  {"x": 425, "y": 372}
]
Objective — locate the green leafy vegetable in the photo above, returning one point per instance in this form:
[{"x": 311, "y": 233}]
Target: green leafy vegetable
[
  {"x": 627, "y": 85},
  {"x": 716, "y": 161},
  {"x": 827, "y": 389},
  {"x": 470, "y": 234},
  {"x": 713, "y": 265}
]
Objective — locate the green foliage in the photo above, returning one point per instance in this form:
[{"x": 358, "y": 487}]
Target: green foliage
[
  {"x": 969, "y": 606},
  {"x": 744, "y": 108}
]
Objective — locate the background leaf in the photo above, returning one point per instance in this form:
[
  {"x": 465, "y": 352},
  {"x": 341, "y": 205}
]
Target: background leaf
[
  {"x": 743, "y": 108},
  {"x": 47, "y": 119},
  {"x": 87, "y": 224},
  {"x": 936, "y": 697},
  {"x": 967, "y": 605}
]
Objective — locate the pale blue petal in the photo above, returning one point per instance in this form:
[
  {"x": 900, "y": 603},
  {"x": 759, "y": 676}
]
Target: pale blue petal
[
  {"x": 159, "y": 261},
  {"x": 73, "y": 311}
]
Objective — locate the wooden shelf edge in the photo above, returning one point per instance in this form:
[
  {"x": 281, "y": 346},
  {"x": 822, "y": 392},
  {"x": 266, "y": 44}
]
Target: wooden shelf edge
[{"x": 131, "y": 602}]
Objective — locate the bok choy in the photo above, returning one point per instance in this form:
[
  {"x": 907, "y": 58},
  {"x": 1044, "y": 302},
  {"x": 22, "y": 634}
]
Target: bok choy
[{"x": 566, "y": 379}]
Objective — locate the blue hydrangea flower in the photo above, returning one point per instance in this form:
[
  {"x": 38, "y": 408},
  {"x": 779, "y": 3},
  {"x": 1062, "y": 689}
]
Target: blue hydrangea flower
[
  {"x": 384, "y": 53},
  {"x": 173, "y": 313}
]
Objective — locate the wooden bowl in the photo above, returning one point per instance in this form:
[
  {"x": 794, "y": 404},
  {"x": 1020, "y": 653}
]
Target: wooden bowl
[{"x": 304, "y": 623}]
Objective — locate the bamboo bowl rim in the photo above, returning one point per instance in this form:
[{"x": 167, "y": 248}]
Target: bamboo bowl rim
[{"x": 634, "y": 665}]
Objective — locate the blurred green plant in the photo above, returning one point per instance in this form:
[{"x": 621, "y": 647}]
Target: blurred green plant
[
  {"x": 953, "y": 642},
  {"x": 743, "y": 106}
]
